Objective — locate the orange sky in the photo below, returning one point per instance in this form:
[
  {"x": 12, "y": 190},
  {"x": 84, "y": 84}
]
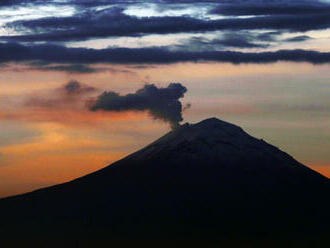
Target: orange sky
[{"x": 286, "y": 104}]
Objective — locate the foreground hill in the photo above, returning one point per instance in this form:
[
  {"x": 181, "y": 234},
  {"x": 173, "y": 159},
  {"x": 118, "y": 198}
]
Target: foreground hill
[{"x": 210, "y": 181}]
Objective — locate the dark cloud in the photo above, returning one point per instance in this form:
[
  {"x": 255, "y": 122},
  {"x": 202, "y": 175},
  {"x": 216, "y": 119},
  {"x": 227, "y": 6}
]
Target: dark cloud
[
  {"x": 11, "y": 52},
  {"x": 279, "y": 7},
  {"x": 70, "y": 68},
  {"x": 98, "y": 3},
  {"x": 298, "y": 38},
  {"x": 242, "y": 40},
  {"x": 230, "y": 39},
  {"x": 112, "y": 22},
  {"x": 239, "y": 41},
  {"x": 269, "y": 36},
  {"x": 74, "y": 68},
  {"x": 74, "y": 87},
  {"x": 161, "y": 103},
  {"x": 93, "y": 3},
  {"x": 84, "y": 19},
  {"x": 9, "y": 3},
  {"x": 84, "y": 3}
]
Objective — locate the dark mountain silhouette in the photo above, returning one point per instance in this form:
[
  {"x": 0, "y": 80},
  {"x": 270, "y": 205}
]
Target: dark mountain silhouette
[{"x": 209, "y": 181}]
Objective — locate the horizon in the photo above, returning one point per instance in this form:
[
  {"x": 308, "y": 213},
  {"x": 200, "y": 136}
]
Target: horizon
[{"x": 78, "y": 91}]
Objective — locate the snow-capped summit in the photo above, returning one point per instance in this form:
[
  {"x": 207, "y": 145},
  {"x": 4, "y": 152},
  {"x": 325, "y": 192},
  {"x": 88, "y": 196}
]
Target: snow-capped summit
[{"x": 204, "y": 180}]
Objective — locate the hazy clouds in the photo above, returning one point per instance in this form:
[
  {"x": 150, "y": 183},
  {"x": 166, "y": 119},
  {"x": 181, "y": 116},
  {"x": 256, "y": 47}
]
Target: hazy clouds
[{"x": 71, "y": 93}]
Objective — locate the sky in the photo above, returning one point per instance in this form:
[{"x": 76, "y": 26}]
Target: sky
[{"x": 84, "y": 83}]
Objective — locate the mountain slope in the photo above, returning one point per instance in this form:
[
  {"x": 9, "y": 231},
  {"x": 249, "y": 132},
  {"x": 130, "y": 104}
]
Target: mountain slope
[{"x": 206, "y": 180}]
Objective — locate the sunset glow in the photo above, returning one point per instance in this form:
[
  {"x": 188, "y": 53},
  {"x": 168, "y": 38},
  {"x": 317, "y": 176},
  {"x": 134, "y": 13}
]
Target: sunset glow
[{"x": 50, "y": 136}]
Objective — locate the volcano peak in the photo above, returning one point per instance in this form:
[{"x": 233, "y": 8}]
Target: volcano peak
[{"x": 205, "y": 178}]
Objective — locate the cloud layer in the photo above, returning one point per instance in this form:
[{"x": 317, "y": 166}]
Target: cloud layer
[
  {"x": 255, "y": 7},
  {"x": 132, "y": 32},
  {"x": 12, "y": 52},
  {"x": 113, "y": 22},
  {"x": 108, "y": 18}
]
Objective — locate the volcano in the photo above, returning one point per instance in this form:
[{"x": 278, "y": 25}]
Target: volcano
[{"x": 206, "y": 181}]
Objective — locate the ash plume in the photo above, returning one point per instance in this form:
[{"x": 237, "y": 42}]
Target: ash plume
[
  {"x": 69, "y": 94},
  {"x": 161, "y": 103},
  {"x": 74, "y": 87}
]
